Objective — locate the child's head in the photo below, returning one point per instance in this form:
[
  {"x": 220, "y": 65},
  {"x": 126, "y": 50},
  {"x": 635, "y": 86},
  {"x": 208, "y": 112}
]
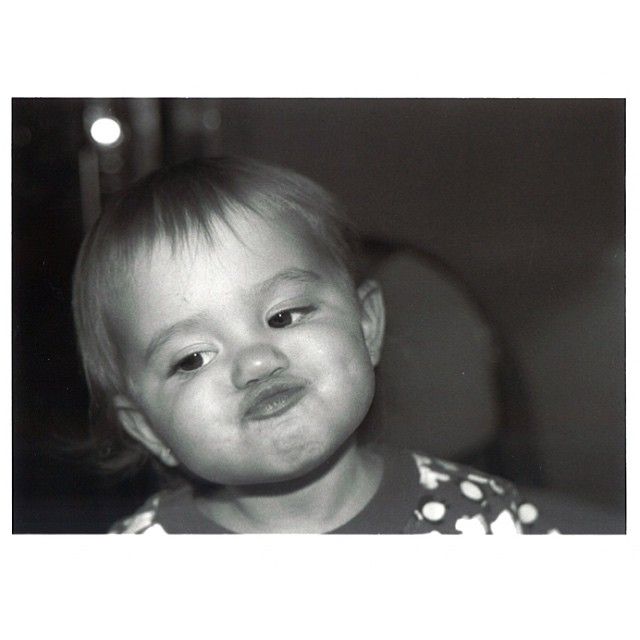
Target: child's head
[{"x": 222, "y": 321}]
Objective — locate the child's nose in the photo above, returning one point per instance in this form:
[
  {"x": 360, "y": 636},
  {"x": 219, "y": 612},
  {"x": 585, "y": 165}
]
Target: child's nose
[{"x": 256, "y": 363}]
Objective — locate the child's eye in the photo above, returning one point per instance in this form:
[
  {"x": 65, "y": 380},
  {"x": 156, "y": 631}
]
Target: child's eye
[
  {"x": 194, "y": 361},
  {"x": 288, "y": 317}
]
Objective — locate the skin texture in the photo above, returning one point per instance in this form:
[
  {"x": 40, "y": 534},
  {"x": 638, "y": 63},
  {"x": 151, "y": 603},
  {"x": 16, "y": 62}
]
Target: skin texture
[{"x": 216, "y": 337}]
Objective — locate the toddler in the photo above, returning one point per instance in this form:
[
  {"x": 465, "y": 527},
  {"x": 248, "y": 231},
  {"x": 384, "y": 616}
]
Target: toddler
[{"x": 226, "y": 328}]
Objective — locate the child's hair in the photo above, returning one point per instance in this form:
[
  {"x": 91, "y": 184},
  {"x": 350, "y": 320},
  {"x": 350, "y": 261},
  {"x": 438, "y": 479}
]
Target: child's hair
[{"x": 173, "y": 203}]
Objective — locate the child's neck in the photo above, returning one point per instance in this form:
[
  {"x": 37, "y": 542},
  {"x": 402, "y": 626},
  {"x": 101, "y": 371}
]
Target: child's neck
[{"x": 322, "y": 501}]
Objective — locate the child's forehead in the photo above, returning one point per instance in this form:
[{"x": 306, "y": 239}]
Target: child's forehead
[
  {"x": 242, "y": 262},
  {"x": 240, "y": 239},
  {"x": 256, "y": 231},
  {"x": 229, "y": 258}
]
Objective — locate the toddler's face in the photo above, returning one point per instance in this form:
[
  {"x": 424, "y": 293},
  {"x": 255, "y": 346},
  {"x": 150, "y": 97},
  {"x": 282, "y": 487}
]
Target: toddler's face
[{"x": 253, "y": 360}]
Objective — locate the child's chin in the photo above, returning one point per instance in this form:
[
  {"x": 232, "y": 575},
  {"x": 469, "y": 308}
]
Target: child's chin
[
  {"x": 287, "y": 474},
  {"x": 311, "y": 463},
  {"x": 306, "y": 464}
]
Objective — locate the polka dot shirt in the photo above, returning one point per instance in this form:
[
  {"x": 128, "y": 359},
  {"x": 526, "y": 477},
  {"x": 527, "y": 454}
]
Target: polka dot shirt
[{"x": 419, "y": 494}]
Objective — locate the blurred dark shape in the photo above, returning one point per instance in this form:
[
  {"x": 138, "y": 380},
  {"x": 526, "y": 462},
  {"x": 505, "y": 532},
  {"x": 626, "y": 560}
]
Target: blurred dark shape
[{"x": 448, "y": 381}]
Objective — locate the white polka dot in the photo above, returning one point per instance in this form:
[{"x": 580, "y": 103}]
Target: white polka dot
[
  {"x": 476, "y": 524},
  {"x": 477, "y": 478},
  {"x": 470, "y": 490},
  {"x": 496, "y": 487},
  {"x": 505, "y": 524},
  {"x": 430, "y": 479},
  {"x": 434, "y": 511},
  {"x": 527, "y": 513},
  {"x": 154, "y": 528}
]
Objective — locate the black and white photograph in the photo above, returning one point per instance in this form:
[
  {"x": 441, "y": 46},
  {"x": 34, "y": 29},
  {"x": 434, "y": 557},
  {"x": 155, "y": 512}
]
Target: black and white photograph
[
  {"x": 319, "y": 315},
  {"x": 340, "y": 283}
]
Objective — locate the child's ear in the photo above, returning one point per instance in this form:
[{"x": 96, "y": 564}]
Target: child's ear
[
  {"x": 135, "y": 424},
  {"x": 372, "y": 318}
]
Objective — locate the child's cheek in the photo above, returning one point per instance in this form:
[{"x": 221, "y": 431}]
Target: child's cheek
[
  {"x": 327, "y": 345},
  {"x": 190, "y": 403},
  {"x": 200, "y": 424},
  {"x": 333, "y": 354}
]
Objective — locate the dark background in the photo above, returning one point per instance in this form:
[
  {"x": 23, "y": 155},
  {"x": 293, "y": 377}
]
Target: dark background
[{"x": 523, "y": 198}]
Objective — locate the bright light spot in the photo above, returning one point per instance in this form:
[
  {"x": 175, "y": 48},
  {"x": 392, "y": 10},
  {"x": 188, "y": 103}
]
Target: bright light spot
[{"x": 106, "y": 131}]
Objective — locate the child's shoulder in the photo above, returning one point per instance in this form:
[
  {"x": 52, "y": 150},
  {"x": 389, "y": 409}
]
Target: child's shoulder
[
  {"x": 168, "y": 511},
  {"x": 144, "y": 520},
  {"x": 158, "y": 512},
  {"x": 455, "y": 498}
]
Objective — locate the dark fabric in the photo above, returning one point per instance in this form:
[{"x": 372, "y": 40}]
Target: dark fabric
[{"x": 418, "y": 494}]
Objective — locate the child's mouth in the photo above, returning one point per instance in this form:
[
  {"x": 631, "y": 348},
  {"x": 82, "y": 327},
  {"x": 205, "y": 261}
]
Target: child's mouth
[{"x": 273, "y": 400}]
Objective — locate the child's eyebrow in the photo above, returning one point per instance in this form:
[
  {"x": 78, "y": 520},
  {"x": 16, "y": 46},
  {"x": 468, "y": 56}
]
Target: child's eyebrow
[
  {"x": 288, "y": 275},
  {"x": 165, "y": 334}
]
